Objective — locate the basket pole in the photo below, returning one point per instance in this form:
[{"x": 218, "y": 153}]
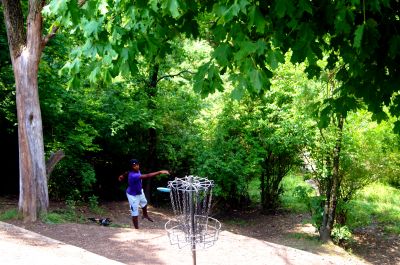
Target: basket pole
[{"x": 193, "y": 232}]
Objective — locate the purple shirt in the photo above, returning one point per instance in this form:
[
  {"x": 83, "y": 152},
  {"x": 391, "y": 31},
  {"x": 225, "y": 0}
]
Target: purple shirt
[{"x": 134, "y": 183}]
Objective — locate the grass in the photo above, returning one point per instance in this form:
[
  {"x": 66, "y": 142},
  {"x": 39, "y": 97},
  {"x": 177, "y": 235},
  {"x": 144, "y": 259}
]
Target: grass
[
  {"x": 376, "y": 203},
  {"x": 238, "y": 222},
  {"x": 288, "y": 199},
  {"x": 54, "y": 218},
  {"x": 9, "y": 214}
]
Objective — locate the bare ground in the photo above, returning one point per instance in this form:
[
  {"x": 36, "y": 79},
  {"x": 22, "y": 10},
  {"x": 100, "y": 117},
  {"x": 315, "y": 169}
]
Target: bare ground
[{"x": 245, "y": 236}]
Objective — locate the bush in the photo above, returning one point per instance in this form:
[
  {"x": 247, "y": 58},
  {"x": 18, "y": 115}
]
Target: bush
[{"x": 341, "y": 235}]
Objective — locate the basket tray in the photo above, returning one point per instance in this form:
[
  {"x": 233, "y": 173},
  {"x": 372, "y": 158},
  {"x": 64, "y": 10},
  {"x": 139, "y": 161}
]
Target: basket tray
[{"x": 202, "y": 235}]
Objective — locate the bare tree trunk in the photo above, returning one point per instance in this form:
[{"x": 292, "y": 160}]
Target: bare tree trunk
[{"x": 25, "y": 50}]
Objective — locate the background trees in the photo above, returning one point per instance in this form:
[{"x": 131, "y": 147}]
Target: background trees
[{"x": 118, "y": 81}]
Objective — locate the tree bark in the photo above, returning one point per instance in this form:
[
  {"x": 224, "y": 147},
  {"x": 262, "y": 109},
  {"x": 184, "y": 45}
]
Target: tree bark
[
  {"x": 332, "y": 191},
  {"x": 52, "y": 162},
  {"x": 25, "y": 50}
]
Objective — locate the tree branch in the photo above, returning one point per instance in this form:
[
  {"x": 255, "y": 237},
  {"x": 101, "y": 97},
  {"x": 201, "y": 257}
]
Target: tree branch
[
  {"x": 54, "y": 29},
  {"x": 81, "y": 2},
  {"x": 173, "y": 75},
  {"x": 49, "y": 36},
  {"x": 53, "y": 160}
]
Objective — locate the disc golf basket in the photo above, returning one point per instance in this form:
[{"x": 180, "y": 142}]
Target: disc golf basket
[{"x": 191, "y": 201}]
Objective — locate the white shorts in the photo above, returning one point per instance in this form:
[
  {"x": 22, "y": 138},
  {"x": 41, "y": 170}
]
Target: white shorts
[{"x": 135, "y": 201}]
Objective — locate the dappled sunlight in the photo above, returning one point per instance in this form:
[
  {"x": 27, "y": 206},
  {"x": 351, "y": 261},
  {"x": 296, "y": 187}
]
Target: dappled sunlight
[
  {"x": 308, "y": 229},
  {"x": 130, "y": 234}
]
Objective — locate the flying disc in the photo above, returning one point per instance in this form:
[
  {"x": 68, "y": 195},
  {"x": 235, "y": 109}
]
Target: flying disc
[{"x": 162, "y": 189}]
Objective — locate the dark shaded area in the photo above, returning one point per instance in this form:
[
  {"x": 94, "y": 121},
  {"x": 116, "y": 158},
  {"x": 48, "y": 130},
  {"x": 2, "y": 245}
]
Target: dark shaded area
[{"x": 9, "y": 160}]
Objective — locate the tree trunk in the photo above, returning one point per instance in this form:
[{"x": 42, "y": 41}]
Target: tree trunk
[
  {"x": 152, "y": 133},
  {"x": 25, "y": 51},
  {"x": 332, "y": 191}
]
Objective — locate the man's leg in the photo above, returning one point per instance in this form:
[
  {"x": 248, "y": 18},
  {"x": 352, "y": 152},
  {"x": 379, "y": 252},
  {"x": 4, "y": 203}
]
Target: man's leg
[
  {"x": 143, "y": 204},
  {"x": 134, "y": 207},
  {"x": 145, "y": 214},
  {"x": 135, "y": 222}
]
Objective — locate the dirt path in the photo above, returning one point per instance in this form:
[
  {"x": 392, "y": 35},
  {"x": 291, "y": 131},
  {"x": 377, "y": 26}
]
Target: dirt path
[
  {"x": 238, "y": 243},
  {"x": 245, "y": 237},
  {"x": 146, "y": 246},
  {"x": 19, "y": 247}
]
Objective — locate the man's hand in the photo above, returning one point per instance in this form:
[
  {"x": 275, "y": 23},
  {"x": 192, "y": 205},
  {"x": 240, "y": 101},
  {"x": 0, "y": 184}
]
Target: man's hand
[
  {"x": 121, "y": 178},
  {"x": 164, "y": 172}
]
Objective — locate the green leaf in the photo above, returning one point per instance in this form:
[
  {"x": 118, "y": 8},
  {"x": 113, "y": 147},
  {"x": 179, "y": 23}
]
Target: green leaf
[
  {"x": 56, "y": 7},
  {"x": 222, "y": 54},
  {"x": 284, "y": 7},
  {"x": 341, "y": 23},
  {"x": 358, "y": 34},
  {"x": 237, "y": 92},
  {"x": 325, "y": 117},
  {"x": 274, "y": 57},
  {"x": 256, "y": 80},
  {"x": 173, "y": 7},
  {"x": 396, "y": 128},
  {"x": 200, "y": 77},
  {"x": 154, "y": 5},
  {"x": 73, "y": 9},
  {"x": 231, "y": 12},
  {"x": 94, "y": 74},
  {"x": 394, "y": 46},
  {"x": 219, "y": 32},
  {"x": 92, "y": 27},
  {"x": 125, "y": 69},
  {"x": 305, "y": 6},
  {"x": 257, "y": 19},
  {"x": 246, "y": 48}
]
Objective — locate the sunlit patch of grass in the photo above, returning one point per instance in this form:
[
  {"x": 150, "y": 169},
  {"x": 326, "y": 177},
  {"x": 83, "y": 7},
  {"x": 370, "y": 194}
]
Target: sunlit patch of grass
[
  {"x": 306, "y": 236},
  {"x": 376, "y": 202},
  {"x": 288, "y": 198}
]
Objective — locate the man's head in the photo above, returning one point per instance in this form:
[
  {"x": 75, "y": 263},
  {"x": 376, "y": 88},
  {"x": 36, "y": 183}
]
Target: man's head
[{"x": 134, "y": 163}]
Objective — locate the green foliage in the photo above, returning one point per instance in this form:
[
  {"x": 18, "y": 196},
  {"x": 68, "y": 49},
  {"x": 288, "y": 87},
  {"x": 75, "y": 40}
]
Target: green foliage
[
  {"x": 313, "y": 202},
  {"x": 296, "y": 192},
  {"x": 249, "y": 40},
  {"x": 254, "y": 138},
  {"x": 367, "y": 149},
  {"x": 338, "y": 30},
  {"x": 101, "y": 105},
  {"x": 93, "y": 202},
  {"x": 341, "y": 235}
]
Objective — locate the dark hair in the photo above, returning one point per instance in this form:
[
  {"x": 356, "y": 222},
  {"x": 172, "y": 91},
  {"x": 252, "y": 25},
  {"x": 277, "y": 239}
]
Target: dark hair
[{"x": 133, "y": 162}]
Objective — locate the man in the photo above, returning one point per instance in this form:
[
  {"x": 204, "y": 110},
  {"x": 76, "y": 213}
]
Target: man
[{"x": 135, "y": 193}]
